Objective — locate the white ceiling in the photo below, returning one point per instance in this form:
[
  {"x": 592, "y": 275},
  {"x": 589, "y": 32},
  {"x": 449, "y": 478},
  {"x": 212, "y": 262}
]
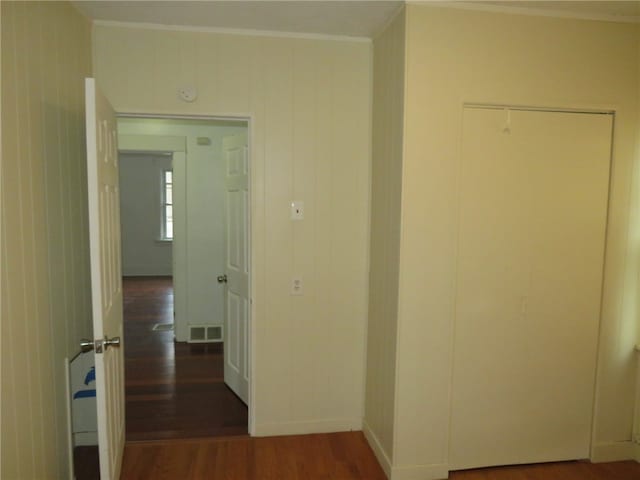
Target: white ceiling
[{"x": 354, "y": 18}]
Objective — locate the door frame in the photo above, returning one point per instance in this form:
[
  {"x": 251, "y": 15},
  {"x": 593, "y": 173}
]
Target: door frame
[{"x": 251, "y": 313}]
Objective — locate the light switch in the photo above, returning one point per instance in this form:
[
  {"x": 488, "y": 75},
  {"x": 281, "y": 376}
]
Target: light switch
[
  {"x": 297, "y": 210},
  {"x": 296, "y": 286}
]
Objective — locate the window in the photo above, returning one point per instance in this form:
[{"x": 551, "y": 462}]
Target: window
[{"x": 167, "y": 205}]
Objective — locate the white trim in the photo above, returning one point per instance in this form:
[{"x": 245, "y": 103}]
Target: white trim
[
  {"x": 435, "y": 471},
  {"x": 160, "y": 144},
  {"x": 231, "y": 31},
  {"x": 389, "y": 21},
  {"x": 613, "y": 452},
  {"x": 67, "y": 390},
  {"x": 529, "y": 108},
  {"x": 636, "y": 452},
  {"x": 85, "y": 439},
  {"x": 377, "y": 448},
  {"x": 536, "y": 12},
  {"x": 149, "y": 270},
  {"x": 307, "y": 427}
]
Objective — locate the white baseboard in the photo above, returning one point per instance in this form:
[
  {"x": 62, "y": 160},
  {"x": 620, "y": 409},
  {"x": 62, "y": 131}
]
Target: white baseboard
[
  {"x": 403, "y": 472},
  {"x": 303, "y": 428},
  {"x": 613, "y": 452},
  {"x": 420, "y": 472},
  {"x": 147, "y": 271},
  {"x": 636, "y": 452},
  {"x": 85, "y": 438},
  {"x": 377, "y": 448}
]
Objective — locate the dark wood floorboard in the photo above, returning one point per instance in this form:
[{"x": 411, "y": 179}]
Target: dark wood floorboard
[
  {"x": 86, "y": 463},
  {"x": 173, "y": 390}
]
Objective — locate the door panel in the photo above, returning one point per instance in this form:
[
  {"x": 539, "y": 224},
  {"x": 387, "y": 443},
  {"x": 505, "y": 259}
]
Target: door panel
[
  {"x": 533, "y": 209},
  {"x": 106, "y": 281},
  {"x": 236, "y": 346}
]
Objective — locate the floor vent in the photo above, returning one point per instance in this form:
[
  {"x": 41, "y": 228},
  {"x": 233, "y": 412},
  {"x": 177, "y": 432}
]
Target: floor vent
[
  {"x": 205, "y": 333},
  {"x": 163, "y": 327}
]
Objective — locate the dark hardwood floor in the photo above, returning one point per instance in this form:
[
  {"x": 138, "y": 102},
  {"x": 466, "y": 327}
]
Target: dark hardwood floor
[{"x": 173, "y": 390}]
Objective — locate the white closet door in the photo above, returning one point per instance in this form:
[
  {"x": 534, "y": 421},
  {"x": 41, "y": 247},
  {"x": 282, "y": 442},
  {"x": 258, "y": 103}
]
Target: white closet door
[{"x": 533, "y": 209}]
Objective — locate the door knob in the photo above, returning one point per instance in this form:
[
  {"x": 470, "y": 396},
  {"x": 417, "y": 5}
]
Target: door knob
[
  {"x": 111, "y": 342},
  {"x": 86, "y": 345},
  {"x": 98, "y": 345},
  {"x": 222, "y": 278}
]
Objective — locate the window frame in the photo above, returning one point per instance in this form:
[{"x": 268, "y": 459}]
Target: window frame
[{"x": 164, "y": 204}]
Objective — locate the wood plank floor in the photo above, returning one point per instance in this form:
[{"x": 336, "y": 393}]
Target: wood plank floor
[
  {"x": 343, "y": 456},
  {"x": 335, "y": 456},
  {"x": 555, "y": 471},
  {"x": 173, "y": 390}
]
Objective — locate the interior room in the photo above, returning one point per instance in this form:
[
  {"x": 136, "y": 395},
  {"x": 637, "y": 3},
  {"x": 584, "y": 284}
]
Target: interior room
[{"x": 427, "y": 214}]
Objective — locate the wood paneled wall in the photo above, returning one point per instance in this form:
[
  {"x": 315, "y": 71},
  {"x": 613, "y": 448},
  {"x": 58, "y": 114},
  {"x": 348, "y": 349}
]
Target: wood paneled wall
[
  {"x": 309, "y": 103},
  {"x": 46, "y": 53},
  {"x": 456, "y": 56},
  {"x": 386, "y": 189}
]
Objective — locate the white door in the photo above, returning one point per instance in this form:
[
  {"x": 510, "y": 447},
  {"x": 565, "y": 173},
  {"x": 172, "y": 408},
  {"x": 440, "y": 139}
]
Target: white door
[
  {"x": 236, "y": 342},
  {"x": 533, "y": 208},
  {"x": 106, "y": 281}
]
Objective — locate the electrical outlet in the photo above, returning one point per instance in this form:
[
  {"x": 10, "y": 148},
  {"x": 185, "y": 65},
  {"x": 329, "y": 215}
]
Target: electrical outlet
[{"x": 296, "y": 286}]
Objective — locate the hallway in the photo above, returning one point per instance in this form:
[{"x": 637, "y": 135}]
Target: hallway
[{"x": 173, "y": 390}]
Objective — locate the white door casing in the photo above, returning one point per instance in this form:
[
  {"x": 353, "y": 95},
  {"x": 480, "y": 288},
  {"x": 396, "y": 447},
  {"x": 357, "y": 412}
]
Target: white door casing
[
  {"x": 237, "y": 304},
  {"x": 533, "y": 208},
  {"x": 106, "y": 279}
]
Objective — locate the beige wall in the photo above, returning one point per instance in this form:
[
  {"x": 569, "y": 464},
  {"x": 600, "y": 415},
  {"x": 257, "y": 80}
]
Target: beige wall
[
  {"x": 46, "y": 53},
  {"x": 386, "y": 187},
  {"x": 310, "y": 140},
  {"x": 455, "y": 56}
]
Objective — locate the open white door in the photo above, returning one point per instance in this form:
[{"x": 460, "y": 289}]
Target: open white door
[
  {"x": 106, "y": 279},
  {"x": 236, "y": 341}
]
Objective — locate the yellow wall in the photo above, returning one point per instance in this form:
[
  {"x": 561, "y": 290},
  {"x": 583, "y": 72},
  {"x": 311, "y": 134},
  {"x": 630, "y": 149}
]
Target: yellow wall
[
  {"x": 386, "y": 187},
  {"x": 310, "y": 106},
  {"x": 46, "y": 53},
  {"x": 455, "y": 56}
]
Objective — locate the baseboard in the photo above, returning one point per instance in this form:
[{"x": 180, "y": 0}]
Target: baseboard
[
  {"x": 420, "y": 472},
  {"x": 85, "y": 438},
  {"x": 147, "y": 271},
  {"x": 303, "y": 428},
  {"x": 636, "y": 452},
  {"x": 613, "y": 452},
  {"x": 377, "y": 448}
]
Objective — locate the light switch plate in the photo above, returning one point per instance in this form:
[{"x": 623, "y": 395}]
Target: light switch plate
[
  {"x": 297, "y": 210},
  {"x": 296, "y": 286}
]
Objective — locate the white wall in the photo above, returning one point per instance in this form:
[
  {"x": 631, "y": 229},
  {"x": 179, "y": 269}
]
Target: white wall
[
  {"x": 45, "y": 295},
  {"x": 143, "y": 252},
  {"x": 455, "y": 56},
  {"x": 386, "y": 188},
  {"x": 309, "y": 101}
]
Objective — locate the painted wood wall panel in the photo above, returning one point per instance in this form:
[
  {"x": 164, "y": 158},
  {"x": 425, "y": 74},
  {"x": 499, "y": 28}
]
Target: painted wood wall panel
[
  {"x": 309, "y": 101},
  {"x": 45, "y": 308},
  {"x": 386, "y": 187},
  {"x": 456, "y": 56}
]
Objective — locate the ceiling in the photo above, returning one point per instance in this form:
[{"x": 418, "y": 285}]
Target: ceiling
[{"x": 354, "y": 18}]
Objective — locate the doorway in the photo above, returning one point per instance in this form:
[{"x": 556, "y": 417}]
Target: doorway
[{"x": 177, "y": 312}]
